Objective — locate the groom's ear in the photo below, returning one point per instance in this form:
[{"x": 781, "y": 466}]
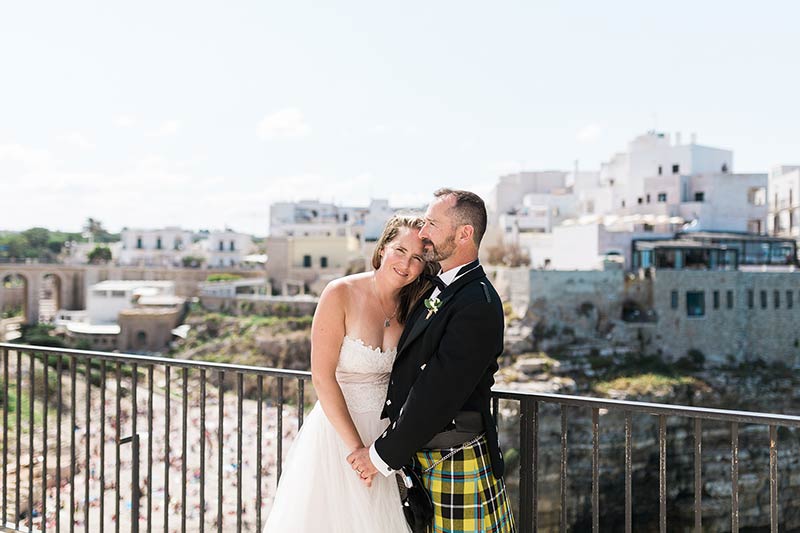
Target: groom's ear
[{"x": 465, "y": 233}]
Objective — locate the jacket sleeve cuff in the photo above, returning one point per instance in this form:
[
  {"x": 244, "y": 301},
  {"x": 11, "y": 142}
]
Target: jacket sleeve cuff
[{"x": 379, "y": 463}]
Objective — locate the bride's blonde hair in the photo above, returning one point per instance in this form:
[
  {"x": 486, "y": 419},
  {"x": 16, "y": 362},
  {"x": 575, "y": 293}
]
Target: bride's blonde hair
[{"x": 411, "y": 293}]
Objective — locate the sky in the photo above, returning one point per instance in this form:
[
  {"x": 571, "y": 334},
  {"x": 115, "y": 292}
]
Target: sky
[{"x": 200, "y": 114}]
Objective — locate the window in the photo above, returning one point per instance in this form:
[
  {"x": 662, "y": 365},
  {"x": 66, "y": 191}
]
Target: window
[
  {"x": 699, "y": 196},
  {"x": 660, "y": 170},
  {"x": 724, "y": 168},
  {"x": 323, "y": 262},
  {"x": 178, "y": 244},
  {"x": 789, "y": 299},
  {"x": 648, "y": 227},
  {"x": 118, "y": 294},
  {"x": 662, "y": 197},
  {"x": 639, "y": 200},
  {"x": 763, "y": 299},
  {"x": 306, "y": 261},
  {"x": 777, "y": 297},
  {"x": 716, "y": 299},
  {"x": 138, "y": 243},
  {"x": 158, "y": 243},
  {"x": 623, "y": 203},
  {"x": 232, "y": 246},
  {"x": 674, "y": 299},
  {"x": 757, "y": 195},
  {"x": 221, "y": 246},
  {"x": 676, "y": 169},
  {"x": 729, "y": 299},
  {"x": 141, "y": 340},
  {"x": 648, "y": 198},
  {"x": 751, "y": 298},
  {"x": 695, "y": 303}
]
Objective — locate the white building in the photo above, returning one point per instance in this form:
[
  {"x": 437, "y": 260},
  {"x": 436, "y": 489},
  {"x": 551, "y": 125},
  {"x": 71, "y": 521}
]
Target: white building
[
  {"x": 784, "y": 208},
  {"x": 375, "y": 219},
  {"x": 312, "y": 242},
  {"x": 106, "y": 299},
  {"x": 234, "y": 288},
  {"x": 226, "y": 248},
  {"x": 310, "y": 218},
  {"x": 154, "y": 247},
  {"x": 656, "y": 187},
  {"x": 507, "y": 194}
]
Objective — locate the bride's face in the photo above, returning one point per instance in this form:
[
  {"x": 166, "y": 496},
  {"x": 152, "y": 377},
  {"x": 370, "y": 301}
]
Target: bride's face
[{"x": 401, "y": 258}]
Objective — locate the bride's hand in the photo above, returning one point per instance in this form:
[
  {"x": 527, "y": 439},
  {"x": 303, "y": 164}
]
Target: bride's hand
[{"x": 360, "y": 462}]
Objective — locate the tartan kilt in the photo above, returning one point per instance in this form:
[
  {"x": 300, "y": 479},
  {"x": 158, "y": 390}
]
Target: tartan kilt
[{"x": 466, "y": 495}]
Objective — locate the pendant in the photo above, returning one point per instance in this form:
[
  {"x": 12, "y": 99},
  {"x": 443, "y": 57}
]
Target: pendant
[{"x": 386, "y": 322}]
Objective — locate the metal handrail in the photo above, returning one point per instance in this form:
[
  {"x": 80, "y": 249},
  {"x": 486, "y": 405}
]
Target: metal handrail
[
  {"x": 685, "y": 411},
  {"x": 529, "y": 403},
  {"x": 705, "y": 413},
  {"x": 149, "y": 359}
]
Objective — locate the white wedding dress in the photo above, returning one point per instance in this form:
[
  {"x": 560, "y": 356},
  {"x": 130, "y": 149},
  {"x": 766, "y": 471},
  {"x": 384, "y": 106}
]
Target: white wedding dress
[{"x": 318, "y": 490}]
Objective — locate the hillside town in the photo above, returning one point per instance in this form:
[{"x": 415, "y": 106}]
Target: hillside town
[{"x": 665, "y": 245}]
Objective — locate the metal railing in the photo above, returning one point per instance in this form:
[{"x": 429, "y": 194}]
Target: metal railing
[{"x": 129, "y": 391}]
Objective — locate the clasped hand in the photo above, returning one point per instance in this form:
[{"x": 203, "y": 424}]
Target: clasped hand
[{"x": 362, "y": 465}]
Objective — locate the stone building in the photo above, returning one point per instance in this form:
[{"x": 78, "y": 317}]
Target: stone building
[
  {"x": 715, "y": 312},
  {"x": 726, "y": 316},
  {"x": 784, "y": 207}
]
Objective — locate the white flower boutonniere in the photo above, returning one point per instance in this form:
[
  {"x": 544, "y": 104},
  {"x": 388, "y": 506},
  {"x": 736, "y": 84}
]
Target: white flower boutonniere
[{"x": 432, "y": 305}]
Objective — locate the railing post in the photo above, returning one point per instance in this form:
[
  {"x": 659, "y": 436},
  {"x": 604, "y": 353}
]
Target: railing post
[
  {"x": 527, "y": 469},
  {"x": 136, "y": 491}
]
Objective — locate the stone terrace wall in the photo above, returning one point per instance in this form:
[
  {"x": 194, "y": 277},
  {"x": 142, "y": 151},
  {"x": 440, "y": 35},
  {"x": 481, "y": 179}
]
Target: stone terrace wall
[
  {"x": 740, "y": 333},
  {"x": 583, "y": 300}
]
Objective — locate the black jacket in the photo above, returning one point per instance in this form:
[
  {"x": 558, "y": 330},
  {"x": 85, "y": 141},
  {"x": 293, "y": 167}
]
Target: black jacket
[{"x": 445, "y": 364}]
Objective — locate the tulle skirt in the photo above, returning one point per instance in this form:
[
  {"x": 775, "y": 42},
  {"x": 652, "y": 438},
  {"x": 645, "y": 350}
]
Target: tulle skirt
[{"x": 320, "y": 492}]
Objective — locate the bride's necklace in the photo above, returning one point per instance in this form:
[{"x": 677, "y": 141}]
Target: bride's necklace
[{"x": 387, "y": 319}]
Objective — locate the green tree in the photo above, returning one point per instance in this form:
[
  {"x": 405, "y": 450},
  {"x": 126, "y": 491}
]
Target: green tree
[
  {"x": 15, "y": 245},
  {"x": 223, "y": 277},
  {"x": 98, "y": 232},
  {"x": 510, "y": 255},
  {"x": 37, "y": 237},
  {"x": 100, "y": 254},
  {"x": 191, "y": 261}
]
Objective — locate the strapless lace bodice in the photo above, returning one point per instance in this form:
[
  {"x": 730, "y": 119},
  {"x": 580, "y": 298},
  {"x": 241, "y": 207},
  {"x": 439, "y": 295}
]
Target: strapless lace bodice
[{"x": 363, "y": 374}]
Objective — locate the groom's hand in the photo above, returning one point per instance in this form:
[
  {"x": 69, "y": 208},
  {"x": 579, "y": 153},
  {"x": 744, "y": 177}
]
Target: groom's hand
[{"x": 362, "y": 465}]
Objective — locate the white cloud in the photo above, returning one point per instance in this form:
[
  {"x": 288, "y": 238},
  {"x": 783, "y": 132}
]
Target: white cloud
[
  {"x": 166, "y": 129},
  {"x": 125, "y": 121},
  {"x": 285, "y": 124},
  {"x": 17, "y": 153},
  {"x": 155, "y": 192},
  {"x": 410, "y": 200},
  {"x": 77, "y": 139},
  {"x": 589, "y": 133}
]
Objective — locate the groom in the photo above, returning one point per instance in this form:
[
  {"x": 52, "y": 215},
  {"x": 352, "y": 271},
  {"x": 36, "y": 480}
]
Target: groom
[{"x": 440, "y": 388}]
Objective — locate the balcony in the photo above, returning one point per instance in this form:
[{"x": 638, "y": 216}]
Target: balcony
[{"x": 87, "y": 435}]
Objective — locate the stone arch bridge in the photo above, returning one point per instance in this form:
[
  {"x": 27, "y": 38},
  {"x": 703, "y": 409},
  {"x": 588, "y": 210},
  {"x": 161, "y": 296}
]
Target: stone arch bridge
[
  {"x": 68, "y": 283},
  {"x": 71, "y": 282}
]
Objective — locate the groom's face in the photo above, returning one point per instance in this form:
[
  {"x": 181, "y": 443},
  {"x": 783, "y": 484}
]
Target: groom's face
[{"x": 439, "y": 232}]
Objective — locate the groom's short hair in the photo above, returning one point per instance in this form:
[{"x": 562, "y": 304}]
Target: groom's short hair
[{"x": 468, "y": 209}]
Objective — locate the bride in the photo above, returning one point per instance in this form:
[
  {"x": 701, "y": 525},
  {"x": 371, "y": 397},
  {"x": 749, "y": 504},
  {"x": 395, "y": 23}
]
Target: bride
[{"x": 354, "y": 336}]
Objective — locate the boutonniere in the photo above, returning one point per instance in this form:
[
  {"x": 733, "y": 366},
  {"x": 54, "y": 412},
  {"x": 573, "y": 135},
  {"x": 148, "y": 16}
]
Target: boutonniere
[{"x": 432, "y": 305}]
